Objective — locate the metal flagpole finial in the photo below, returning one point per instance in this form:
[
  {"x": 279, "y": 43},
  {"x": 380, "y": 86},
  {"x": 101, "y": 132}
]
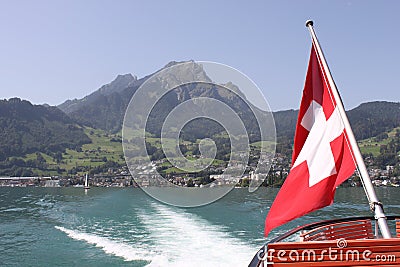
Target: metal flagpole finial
[{"x": 309, "y": 22}]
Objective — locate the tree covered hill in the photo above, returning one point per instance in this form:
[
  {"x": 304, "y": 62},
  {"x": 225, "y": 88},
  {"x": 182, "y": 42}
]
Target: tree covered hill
[
  {"x": 27, "y": 128},
  {"x": 367, "y": 120},
  {"x": 374, "y": 118},
  {"x": 42, "y": 140},
  {"x": 104, "y": 108}
]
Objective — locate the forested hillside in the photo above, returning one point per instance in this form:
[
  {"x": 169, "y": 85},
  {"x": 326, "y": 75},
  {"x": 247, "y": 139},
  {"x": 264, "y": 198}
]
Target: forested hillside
[
  {"x": 374, "y": 118},
  {"x": 27, "y": 128},
  {"x": 367, "y": 120}
]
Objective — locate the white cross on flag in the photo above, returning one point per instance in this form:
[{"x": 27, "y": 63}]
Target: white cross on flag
[{"x": 322, "y": 157}]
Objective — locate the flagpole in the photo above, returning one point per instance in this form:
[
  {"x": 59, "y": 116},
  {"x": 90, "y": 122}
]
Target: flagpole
[{"x": 375, "y": 205}]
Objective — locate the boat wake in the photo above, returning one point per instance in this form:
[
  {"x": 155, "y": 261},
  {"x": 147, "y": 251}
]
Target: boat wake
[
  {"x": 109, "y": 246},
  {"x": 173, "y": 237},
  {"x": 184, "y": 239}
]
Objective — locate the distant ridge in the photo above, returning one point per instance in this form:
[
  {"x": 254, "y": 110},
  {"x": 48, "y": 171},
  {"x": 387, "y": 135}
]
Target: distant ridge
[
  {"x": 27, "y": 128},
  {"x": 120, "y": 83},
  {"x": 367, "y": 120},
  {"x": 372, "y": 118}
]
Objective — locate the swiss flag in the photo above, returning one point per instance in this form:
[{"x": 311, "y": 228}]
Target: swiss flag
[{"x": 322, "y": 158}]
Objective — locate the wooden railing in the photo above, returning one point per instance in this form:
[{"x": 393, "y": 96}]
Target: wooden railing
[{"x": 358, "y": 229}]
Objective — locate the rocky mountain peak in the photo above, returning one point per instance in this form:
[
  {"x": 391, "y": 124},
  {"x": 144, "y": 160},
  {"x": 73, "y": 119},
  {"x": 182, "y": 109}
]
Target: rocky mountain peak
[{"x": 119, "y": 83}]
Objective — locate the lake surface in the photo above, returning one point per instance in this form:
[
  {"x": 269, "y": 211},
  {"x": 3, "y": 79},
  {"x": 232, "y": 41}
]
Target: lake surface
[{"x": 125, "y": 227}]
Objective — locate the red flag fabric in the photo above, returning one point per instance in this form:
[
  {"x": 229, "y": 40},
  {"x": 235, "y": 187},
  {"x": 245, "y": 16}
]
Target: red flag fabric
[{"x": 322, "y": 158}]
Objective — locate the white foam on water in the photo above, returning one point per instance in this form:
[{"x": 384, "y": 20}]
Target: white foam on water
[
  {"x": 184, "y": 239},
  {"x": 109, "y": 246},
  {"x": 173, "y": 237},
  {"x": 13, "y": 210}
]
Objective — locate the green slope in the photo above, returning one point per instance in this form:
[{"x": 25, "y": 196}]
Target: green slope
[
  {"x": 104, "y": 147},
  {"x": 373, "y": 145}
]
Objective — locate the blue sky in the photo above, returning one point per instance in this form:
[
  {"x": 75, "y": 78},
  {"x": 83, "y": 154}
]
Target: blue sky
[{"x": 51, "y": 51}]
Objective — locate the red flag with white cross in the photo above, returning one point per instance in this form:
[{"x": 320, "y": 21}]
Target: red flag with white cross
[{"x": 322, "y": 158}]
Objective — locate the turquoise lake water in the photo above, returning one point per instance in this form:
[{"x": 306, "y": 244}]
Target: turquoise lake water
[{"x": 125, "y": 227}]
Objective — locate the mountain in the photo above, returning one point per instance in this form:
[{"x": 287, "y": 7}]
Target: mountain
[
  {"x": 116, "y": 86},
  {"x": 27, "y": 128},
  {"x": 105, "y": 109}
]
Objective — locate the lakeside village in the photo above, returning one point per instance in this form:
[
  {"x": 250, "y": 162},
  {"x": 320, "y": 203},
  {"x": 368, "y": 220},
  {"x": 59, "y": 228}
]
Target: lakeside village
[{"x": 145, "y": 176}]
